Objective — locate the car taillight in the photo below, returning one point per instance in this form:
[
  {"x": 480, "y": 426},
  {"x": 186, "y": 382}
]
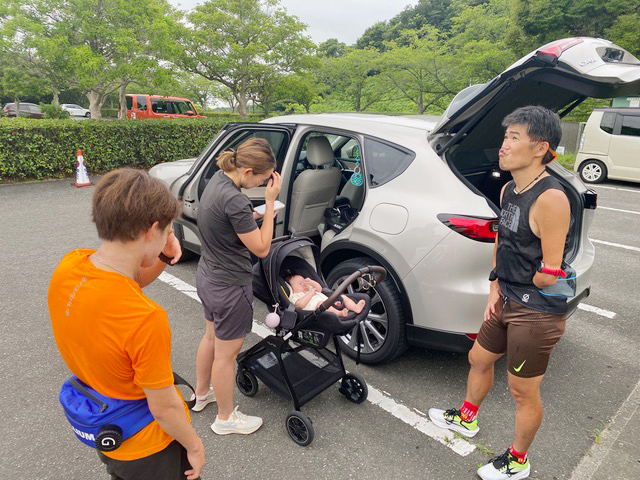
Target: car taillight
[
  {"x": 472, "y": 336},
  {"x": 590, "y": 199},
  {"x": 551, "y": 51},
  {"x": 480, "y": 229}
]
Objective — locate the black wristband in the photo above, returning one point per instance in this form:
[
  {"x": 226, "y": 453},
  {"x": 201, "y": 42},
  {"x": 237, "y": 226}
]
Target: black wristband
[
  {"x": 493, "y": 275},
  {"x": 165, "y": 259}
]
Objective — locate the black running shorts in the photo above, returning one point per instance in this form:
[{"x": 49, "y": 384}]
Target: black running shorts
[{"x": 527, "y": 336}]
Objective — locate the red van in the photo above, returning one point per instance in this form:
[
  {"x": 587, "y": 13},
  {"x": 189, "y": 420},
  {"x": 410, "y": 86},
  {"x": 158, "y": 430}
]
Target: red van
[{"x": 156, "y": 106}]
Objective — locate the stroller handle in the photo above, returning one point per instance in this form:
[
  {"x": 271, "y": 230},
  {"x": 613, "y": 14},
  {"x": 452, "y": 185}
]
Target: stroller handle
[{"x": 379, "y": 275}]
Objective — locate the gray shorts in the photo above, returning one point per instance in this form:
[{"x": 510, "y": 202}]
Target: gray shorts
[{"x": 229, "y": 307}]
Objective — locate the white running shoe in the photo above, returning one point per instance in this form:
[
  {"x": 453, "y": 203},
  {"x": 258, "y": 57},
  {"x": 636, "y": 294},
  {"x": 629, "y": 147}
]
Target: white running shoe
[
  {"x": 451, "y": 420},
  {"x": 203, "y": 401},
  {"x": 505, "y": 467},
  {"x": 238, "y": 422}
]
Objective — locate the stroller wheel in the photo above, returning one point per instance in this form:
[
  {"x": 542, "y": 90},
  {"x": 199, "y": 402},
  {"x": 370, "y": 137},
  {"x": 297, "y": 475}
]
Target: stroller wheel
[
  {"x": 354, "y": 388},
  {"x": 299, "y": 428},
  {"x": 247, "y": 383}
]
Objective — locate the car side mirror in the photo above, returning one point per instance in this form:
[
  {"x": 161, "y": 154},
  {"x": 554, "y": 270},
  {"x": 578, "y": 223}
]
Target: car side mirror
[
  {"x": 353, "y": 152},
  {"x": 190, "y": 112}
]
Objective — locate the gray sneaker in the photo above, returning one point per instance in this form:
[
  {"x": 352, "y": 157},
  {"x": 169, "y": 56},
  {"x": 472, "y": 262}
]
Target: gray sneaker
[
  {"x": 238, "y": 422},
  {"x": 203, "y": 401}
]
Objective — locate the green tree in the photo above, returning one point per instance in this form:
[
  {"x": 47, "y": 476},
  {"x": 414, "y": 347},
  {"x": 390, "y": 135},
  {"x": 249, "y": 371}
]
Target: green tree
[
  {"x": 536, "y": 22},
  {"x": 298, "y": 88},
  {"x": 354, "y": 77},
  {"x": 95, "y": 46},
  {"x": 239, "y": 43},
  {"x": 332, "y": 48},
  {"x": 436, "y": 13},
  {"x": 478, "y": 41},
  {"x": 625, "y": 32},
  {"x": 420, "y": 68}
]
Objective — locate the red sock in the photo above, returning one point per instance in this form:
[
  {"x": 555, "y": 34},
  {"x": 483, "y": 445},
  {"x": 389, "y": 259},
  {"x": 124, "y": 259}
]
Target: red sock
[
  {"x": 521, "y": 457},
  {"x": 468, "y": 412}
]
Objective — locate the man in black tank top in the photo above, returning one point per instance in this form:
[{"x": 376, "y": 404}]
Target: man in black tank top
[{"x": 519, "y": 320}]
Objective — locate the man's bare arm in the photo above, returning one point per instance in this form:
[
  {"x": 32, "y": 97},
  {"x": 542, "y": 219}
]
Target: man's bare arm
[{"x": 550, "y": 218}]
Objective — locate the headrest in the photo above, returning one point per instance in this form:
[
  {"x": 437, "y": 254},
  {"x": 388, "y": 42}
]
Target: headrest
[{"x": 319, "y": 152}]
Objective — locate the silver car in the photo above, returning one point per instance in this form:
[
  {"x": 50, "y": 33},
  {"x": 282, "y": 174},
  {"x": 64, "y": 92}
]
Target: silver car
[{"x": 417, "y": 198}]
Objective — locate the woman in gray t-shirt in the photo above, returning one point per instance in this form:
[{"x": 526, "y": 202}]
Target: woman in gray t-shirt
[{"x": 229, "y": 235}]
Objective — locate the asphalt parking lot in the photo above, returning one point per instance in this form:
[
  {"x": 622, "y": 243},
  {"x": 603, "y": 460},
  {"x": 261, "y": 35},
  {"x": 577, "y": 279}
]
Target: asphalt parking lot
[{"x": 589, "y": 394}]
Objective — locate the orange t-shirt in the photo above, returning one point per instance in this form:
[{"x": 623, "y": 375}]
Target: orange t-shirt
[{"x": 113, "y": 338}]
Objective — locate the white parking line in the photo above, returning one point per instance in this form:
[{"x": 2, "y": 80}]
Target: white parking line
[
  {"x": 596, "y": 310},
  {"x": 599, "y": 451},
  {"x": 615, "y": 188},
  {"x": 382, "y": 400},
  {"x": 618, "y": 245},
  {"x": 619, "y": 210}
]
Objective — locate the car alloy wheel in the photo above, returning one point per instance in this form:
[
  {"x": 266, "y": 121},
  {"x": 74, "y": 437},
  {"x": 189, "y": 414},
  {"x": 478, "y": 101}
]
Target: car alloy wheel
[
  {"x": 593, "y": 171},
  {"x": 382, "y": 333}
]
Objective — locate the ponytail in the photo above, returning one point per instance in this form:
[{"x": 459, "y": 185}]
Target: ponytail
[{"x": 254, "y": 153}]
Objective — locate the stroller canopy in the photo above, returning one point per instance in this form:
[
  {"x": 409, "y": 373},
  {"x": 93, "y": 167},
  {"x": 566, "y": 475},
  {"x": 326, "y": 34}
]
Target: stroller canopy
[{"x": 287, "y": 257}]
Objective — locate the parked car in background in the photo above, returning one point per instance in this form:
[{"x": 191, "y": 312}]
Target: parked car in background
[
  {"x": 76, "y": 110},
  {"x": 426, "y": 205},
  {"x": 28, "y": 110},
  {"x": 156, "y": 106},
  {"x": 609, "y": 146}
]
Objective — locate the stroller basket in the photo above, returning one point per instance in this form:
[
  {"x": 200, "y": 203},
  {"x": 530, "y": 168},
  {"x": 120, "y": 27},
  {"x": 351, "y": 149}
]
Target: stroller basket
[{"x": 309, "y": 371}]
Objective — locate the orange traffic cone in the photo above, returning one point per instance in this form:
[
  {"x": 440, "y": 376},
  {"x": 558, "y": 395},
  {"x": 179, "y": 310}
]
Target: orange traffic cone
[{"x": 82, "y": 178}]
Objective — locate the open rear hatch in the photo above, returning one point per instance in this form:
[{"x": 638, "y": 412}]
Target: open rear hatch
[{"x": 558, "y": 76}]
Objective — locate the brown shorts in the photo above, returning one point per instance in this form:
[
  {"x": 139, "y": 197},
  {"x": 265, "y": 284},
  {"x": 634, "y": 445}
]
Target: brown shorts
[
  {"x": 229, "y": 307},
  {"x": 526, "y": 335}
]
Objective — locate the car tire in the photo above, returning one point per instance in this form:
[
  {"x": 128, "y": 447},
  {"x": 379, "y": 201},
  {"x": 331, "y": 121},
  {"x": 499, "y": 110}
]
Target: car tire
[
  {"x": 87, "y": 115},
  {"x": 186, "y": 254},
  {"x": 383, "y": 332},
  {"x": 593, "y": 171}
]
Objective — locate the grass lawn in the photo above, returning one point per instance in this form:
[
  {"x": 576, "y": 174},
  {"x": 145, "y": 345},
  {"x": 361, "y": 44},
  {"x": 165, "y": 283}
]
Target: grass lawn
[{"x": 567, "y": 160}]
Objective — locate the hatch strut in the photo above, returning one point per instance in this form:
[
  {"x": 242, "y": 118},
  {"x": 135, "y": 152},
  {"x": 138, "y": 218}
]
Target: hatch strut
[
  {"x": 474, "y": 120},
  {"x": 570, "y": 108}
]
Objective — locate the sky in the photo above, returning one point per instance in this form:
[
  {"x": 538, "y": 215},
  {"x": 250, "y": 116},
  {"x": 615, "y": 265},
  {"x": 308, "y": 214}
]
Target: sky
[{"x": 345, "y": 20}]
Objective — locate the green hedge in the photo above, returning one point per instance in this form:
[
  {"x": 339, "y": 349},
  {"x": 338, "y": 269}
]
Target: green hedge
[{"x": 38, "y": 149}]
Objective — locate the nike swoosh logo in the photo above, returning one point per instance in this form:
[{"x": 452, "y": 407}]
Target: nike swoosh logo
[{"x": 517, "y": 370}]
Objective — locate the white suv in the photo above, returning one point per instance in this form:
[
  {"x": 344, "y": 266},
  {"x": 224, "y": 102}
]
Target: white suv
[{"x": 428, "y": 206}]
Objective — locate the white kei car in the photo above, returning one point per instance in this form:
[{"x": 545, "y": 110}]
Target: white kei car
[{"x": 428, "y": 204}]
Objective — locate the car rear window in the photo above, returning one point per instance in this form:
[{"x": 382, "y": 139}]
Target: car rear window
[
  {"x": 385, "y": 161},
  {"x": 606, "y": 124},
  {"x": 129, "y": 103},
  {"x": 630, "y": 126}
]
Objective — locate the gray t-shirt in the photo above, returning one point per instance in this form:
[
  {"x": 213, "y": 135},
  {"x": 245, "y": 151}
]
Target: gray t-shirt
[{"x": 224, "y": 212}]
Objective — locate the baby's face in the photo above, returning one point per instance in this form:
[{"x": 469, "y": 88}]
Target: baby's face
[{"x": 297, "y": 283}]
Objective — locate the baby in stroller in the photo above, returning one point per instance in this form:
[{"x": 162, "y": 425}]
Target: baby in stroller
[{"x": 306, "y": 294}]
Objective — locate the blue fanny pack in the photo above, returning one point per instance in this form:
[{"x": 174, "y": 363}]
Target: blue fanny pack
[
  {"x": 565, "y": 287},
  {"x": 103, "y": 422}
]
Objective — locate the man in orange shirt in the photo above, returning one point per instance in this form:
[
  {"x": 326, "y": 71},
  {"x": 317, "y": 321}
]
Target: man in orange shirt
[{"x": 115, "y": 339}]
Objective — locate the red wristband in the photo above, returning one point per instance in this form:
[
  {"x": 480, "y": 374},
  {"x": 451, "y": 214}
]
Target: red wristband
[{"x": 548, "y": 271}]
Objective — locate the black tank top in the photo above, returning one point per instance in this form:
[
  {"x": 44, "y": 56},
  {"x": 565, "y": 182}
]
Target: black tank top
[{"x": 520, "y": 251}]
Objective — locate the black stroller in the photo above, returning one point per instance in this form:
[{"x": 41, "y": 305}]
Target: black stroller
[{"x": 295, "y": 362}]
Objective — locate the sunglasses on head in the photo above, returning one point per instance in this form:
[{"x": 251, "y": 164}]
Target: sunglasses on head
[{"x": 554, "y": 155}]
